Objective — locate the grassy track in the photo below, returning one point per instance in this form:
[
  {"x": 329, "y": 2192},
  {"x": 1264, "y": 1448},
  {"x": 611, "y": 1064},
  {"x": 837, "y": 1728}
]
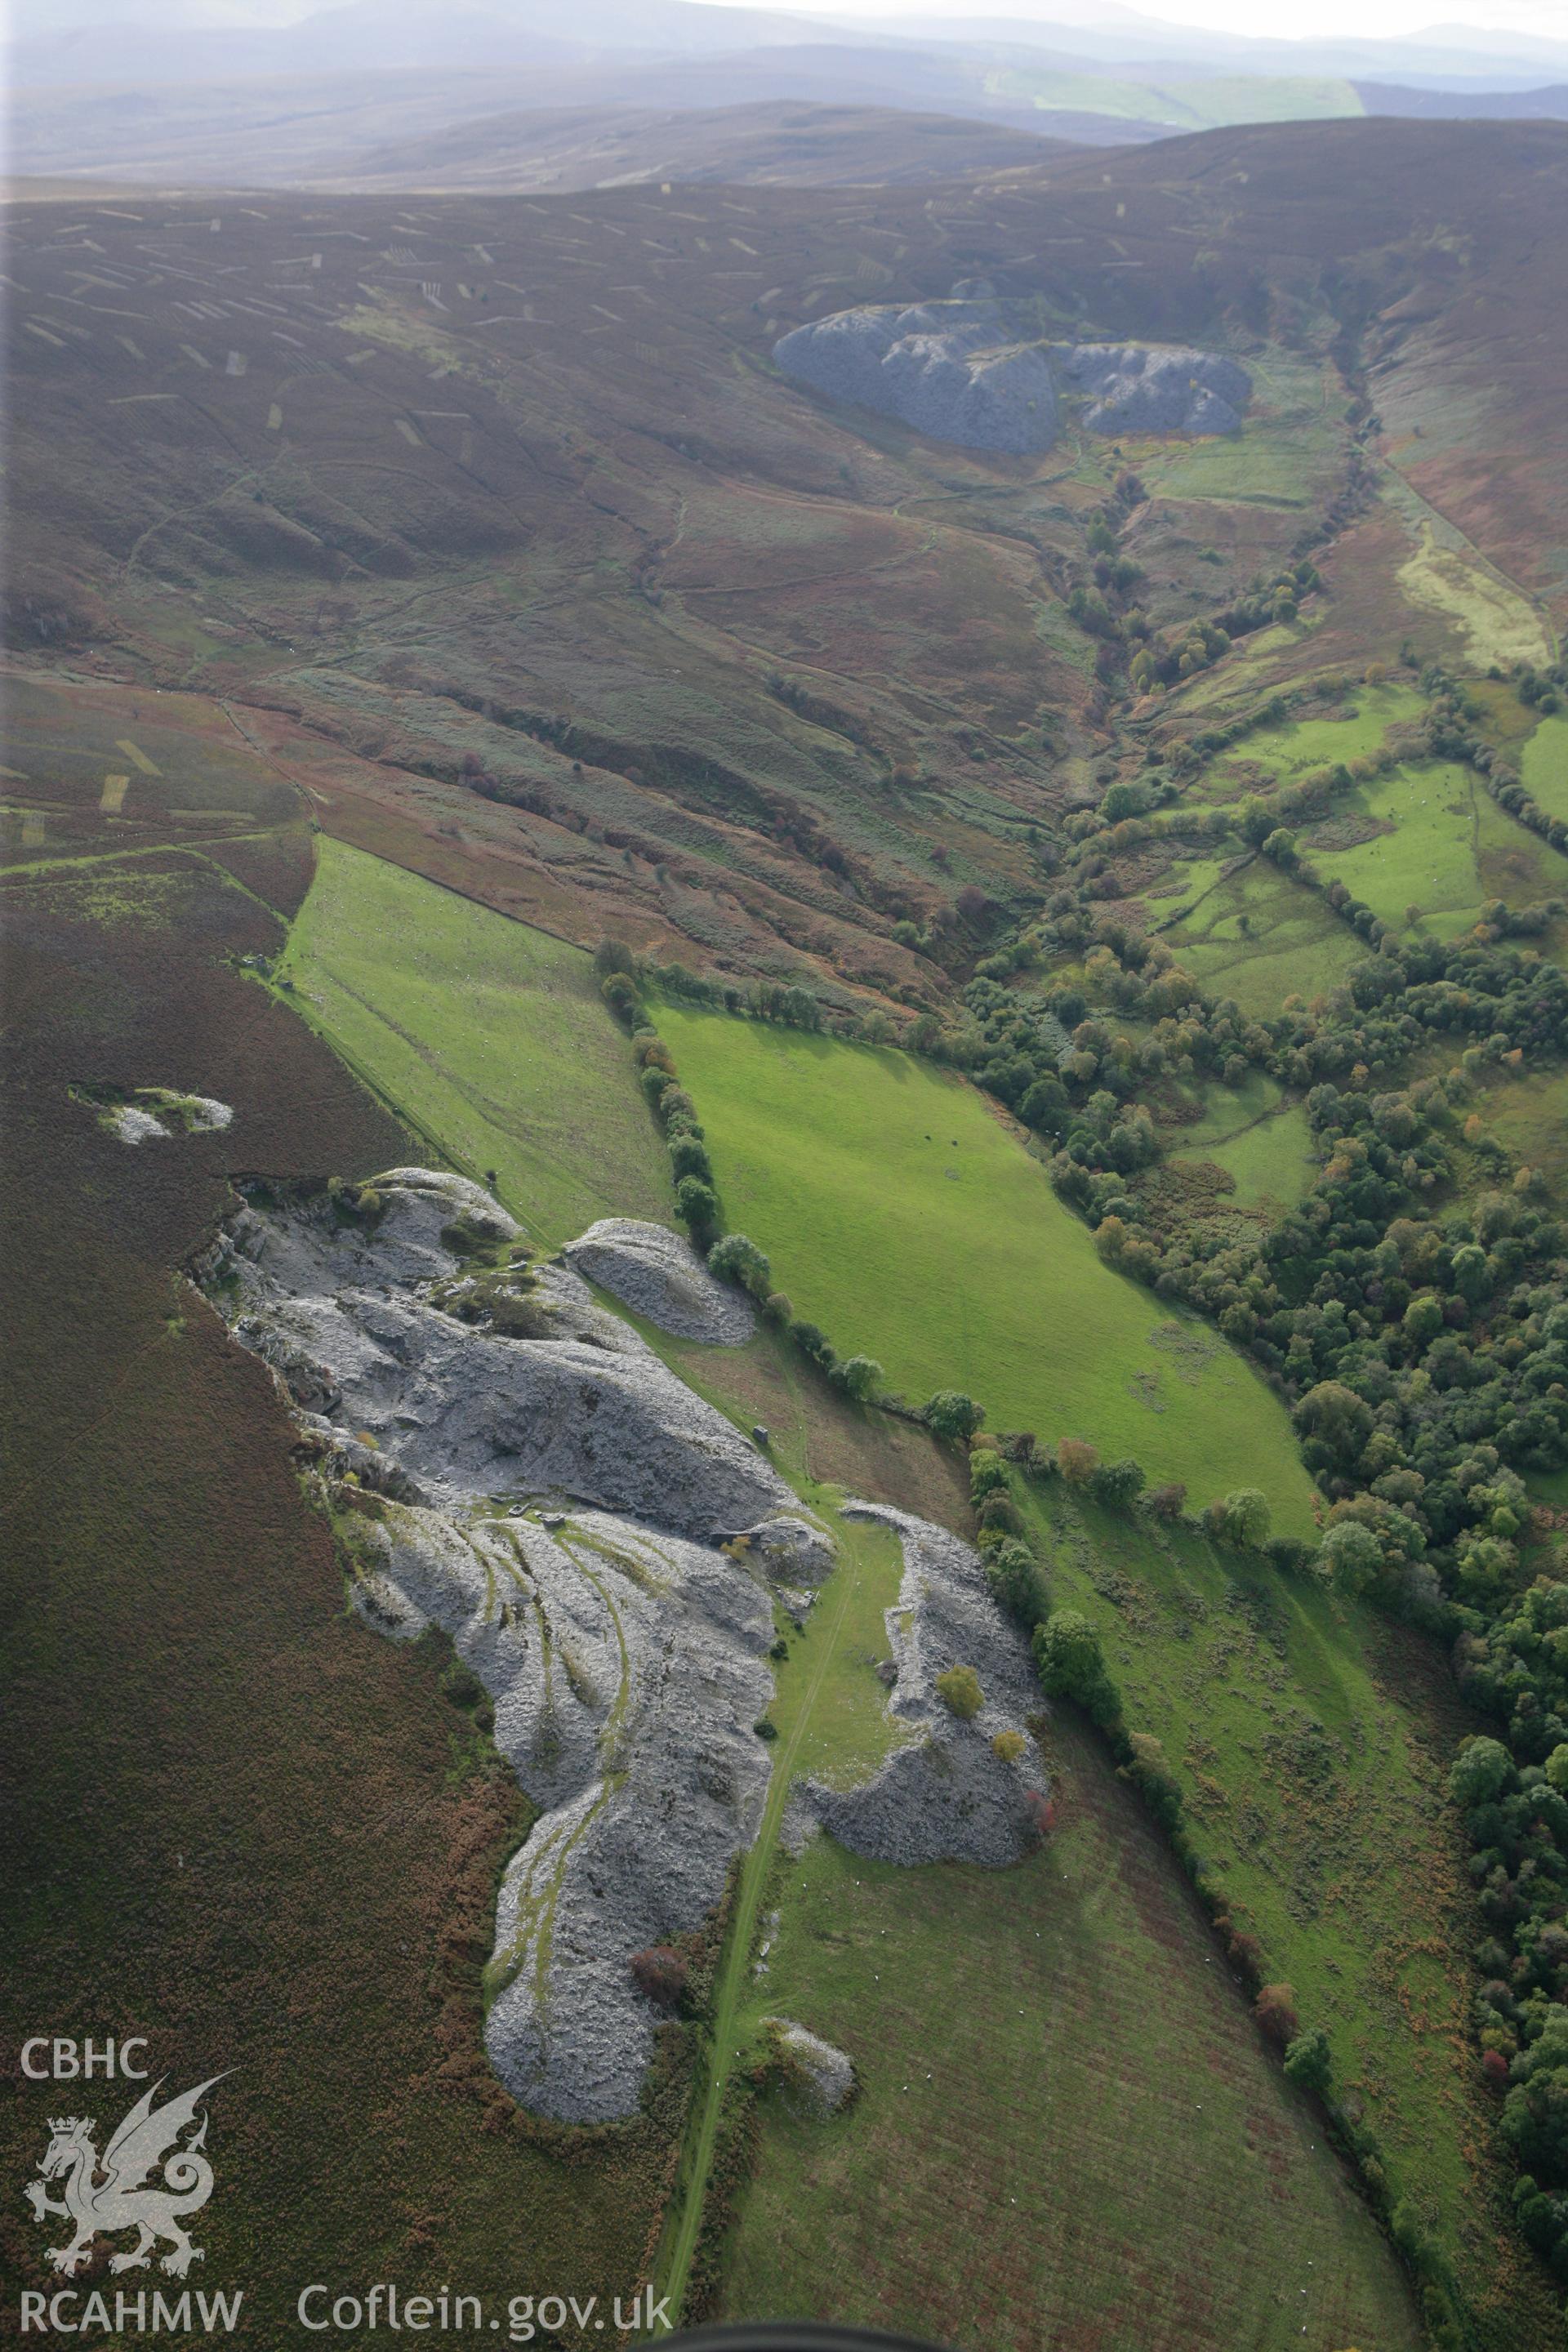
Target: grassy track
[
  {"x": 867, "y": 1576},
  {"x": 907, "y": 1221},
  {"x": 482, "y": 1032}
]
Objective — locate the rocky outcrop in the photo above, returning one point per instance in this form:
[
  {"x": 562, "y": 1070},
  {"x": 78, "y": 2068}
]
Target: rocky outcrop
[
  {"x": 131, "y": 1124},
  {"x": 823, "y": 2075},
  {"x": 150, "y": 1112},
  {"x": 624, "y": 1651},
  {"x": 951, "y": 370},
  {"x": 343, "y": 1309},
  {"x": 789, "y": 1548},
  {"x": 627, "y": 1668},
  {"x": 969, "y": 371},
  {"x": 658, "y": 1274},
  {"x": 508, "y": 1462},
  {"x": 946, "y": 1795},
  {"x": 1156, "y": 388}
]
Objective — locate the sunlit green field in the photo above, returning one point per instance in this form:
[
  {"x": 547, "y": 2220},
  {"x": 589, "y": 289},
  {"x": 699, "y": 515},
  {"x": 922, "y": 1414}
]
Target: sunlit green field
[
  {"x": 908, "y": 1220},
  {"x": 1446, "y": 847},
  {"x": 1544, "y": 765},
  {"x": 1262, "y": 1142},
  {"x": 1284, "y": 754},
  {"x": 1259, "y": 937},
  {"x": 1527, "y": 1110},
  {"x": 486, "y": 1035}
]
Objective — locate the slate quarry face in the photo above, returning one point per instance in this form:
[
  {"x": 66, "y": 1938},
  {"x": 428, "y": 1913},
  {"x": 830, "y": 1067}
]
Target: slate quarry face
[{"x": 962, "y": 372}]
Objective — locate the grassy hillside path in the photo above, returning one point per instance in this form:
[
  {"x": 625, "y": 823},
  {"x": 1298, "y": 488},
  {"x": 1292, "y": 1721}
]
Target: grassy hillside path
[{"x": 808, "y": 1672}]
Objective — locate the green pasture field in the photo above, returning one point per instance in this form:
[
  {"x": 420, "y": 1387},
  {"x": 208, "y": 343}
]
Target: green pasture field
[
  {"x": 903, "y": 1215},
  {"x": 1267, "y": 463},
  {"x": 1259, "y": 937},
  {"x": 1289, "y": 753},
  {"x": 1064, "y": 2123},
  {"x": 1189, "y": 879},
  {"x": 1198, "y": 1113},
  {"x": 1183, "y": 105},
  {"x": 1545, "y": 765},
  {"x": 1271, "y": 1159},
  {"x": 1259, "y": 1140},
  {"x": 1072, "y": 2108},
  {"x": 484, "y": 1034},
  {"x": 1312, "y": 1763},
  {"x": 1317, "y": 742},
  {"x": 1450, "y": 847}
]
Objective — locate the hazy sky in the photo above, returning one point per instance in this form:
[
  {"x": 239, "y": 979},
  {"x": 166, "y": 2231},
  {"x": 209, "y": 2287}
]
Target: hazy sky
[
  {"x": 1286, "y": 19},
  {"x": 1296, "y": 20}
]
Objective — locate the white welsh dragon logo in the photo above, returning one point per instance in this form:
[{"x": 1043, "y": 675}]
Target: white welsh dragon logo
[{"x": 104, "y": 2195}]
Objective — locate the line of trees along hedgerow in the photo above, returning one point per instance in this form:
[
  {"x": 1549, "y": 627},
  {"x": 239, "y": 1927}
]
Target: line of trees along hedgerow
[{"x": 1422, "y": 1348}]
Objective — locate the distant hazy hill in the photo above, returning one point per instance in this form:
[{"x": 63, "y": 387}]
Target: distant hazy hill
[
  {"x": 1456, "y": 105},
  {"x": 107, "y": 39},
  {"x": 399, "y": 129},
  {"x": 380, "y": 93},
  {"x": 787, "y": 145}
]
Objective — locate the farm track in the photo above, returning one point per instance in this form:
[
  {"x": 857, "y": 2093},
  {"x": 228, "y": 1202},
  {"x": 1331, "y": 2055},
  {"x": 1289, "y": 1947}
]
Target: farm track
[{"x": 684, "y": 2226}]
